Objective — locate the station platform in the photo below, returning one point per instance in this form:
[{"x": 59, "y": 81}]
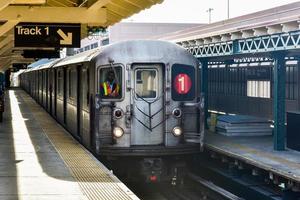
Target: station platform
[
  {"x": 258, "y": 152},
  {"x": 39, "y": 160}
]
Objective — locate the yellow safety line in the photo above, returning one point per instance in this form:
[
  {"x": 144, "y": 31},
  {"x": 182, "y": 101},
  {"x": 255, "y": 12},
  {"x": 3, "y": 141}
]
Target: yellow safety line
[{"x": 95, "y": 181}]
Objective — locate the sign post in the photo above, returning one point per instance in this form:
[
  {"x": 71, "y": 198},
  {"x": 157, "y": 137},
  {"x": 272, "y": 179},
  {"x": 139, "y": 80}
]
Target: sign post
[{"x": 47, "y": 35}]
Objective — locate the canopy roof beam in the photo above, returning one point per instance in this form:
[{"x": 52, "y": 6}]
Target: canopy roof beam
[
  {"x": 32, "y": 2},
  {"x": 5, "y": 64},
  {"x": 7, "y": 26},
  {"x": 53, "y": 15},
  {"x": 99, "y": 4},
  {"x": 6, "y": 49},
  {"x": 5, "y": 41},
  {"x": 5, "y": 3}
]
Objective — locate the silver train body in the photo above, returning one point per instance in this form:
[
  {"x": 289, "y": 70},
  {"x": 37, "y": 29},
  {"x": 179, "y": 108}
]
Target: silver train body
[{"x": 157, "y": 115}]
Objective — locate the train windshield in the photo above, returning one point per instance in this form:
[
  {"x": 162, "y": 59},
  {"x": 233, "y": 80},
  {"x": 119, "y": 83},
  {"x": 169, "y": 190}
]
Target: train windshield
[
  {"x": 111, "y": 82},
  {"x": 146, "y": 83}
]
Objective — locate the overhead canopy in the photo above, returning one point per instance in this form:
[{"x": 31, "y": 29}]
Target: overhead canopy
[{"x": 101, "y": 13}]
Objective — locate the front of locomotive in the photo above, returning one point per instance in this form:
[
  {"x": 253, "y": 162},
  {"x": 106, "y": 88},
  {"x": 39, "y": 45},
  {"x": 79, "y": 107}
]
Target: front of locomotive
[{"x": 148, "y": 107}]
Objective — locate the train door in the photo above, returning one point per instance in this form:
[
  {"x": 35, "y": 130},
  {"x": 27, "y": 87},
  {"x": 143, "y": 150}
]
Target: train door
[
  {"x": 47, "y": 90},
  {"x": 29, "y": 83},
  {"x": 148, "y": 105},
  {"x": 36, "y": 84},
  {"x": 41, "y": 88},
  {"x": 65, "y": 95},
  {"x": 84, "y": 124},
  {"x": 50, "y": 89},
  {"x": 60, "y": 95},
  {"x": 72, "y": 108},
  {"x": 54, "y": 89},
  {"x": 78, "y": 99}
]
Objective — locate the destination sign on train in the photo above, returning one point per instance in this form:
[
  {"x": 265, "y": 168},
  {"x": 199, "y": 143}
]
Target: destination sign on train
[{"x": 47, "y": 35}]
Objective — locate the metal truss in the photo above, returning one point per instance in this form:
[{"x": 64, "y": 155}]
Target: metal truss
[
  {"x": 211, "y": 50},
  {"x": 254, "y": 45}
]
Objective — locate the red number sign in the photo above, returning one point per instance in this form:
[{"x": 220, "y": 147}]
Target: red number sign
[{"x": 182, "y": 83}]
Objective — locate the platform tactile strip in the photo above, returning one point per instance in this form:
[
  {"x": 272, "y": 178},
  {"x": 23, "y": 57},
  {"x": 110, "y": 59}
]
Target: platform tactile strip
[{"x": 94, "y": 179}]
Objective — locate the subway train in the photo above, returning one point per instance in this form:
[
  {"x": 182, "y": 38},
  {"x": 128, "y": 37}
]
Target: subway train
[{"x": 137, "y": 105}]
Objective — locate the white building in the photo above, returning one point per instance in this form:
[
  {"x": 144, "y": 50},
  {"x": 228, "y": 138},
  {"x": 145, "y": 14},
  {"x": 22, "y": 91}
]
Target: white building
[{"x": 130, "y": 31}]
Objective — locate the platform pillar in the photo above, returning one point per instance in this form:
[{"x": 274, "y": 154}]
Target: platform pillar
[
  {"x": 204, "y": 87},
  {"x": 279, "y": 101}
]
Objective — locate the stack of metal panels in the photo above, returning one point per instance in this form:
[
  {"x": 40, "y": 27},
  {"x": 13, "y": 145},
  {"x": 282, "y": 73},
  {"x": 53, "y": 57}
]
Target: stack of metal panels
[{"x": 242, "y": 125}]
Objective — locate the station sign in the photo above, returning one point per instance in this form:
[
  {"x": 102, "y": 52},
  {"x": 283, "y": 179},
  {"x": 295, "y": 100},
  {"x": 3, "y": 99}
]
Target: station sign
[
  {"x": 47, "y": 35},
  {"x": 259, "y": 73}
]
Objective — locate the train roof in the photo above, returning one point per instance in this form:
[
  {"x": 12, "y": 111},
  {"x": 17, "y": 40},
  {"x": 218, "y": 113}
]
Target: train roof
[
  {"x": 39, "y": 62},
  {"x": 137, "y": 46},
  {"x": 85, "y": 56},
  {"x": 49, "y": 64},
  {"x": 131, "y": 45},
  {"x": 143, "y": 50}
]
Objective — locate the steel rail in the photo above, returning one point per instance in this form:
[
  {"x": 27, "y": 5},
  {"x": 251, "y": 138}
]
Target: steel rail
[{"x": 213, "y": 190}]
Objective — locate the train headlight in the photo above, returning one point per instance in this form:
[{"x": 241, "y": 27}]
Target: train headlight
[
  {"x": 118, "y": 113},
  {"x": 177, "y": 131},
  {"x": 177, "y": 112},
  {"x": 118, "y": 132}
]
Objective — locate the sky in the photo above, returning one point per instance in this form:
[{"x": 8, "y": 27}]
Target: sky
[{"x": 195, "y": 11}]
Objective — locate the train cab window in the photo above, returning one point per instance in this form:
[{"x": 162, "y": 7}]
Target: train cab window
[
  {"x": 146, "y": 82},
  {"x": 111, "y": 82}
]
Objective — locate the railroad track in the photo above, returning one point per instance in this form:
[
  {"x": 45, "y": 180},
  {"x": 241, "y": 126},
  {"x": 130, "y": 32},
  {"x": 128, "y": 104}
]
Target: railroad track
[
  {"x": 211, "y": 191},
  {"x": 194, "y": 188}
]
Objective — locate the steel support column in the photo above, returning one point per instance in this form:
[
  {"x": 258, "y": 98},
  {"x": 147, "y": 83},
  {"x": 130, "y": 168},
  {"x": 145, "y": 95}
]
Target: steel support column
[
  {"x": 279, "y": 101},
  {"x": 204, "y": 87},
  {"x": 298, "y": 82}
]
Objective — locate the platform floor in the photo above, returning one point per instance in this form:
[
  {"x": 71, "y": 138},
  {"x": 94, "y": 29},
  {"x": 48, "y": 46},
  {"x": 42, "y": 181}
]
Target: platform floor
[
  {"x": 257, "y": 151},
  {"x": 39, "y": 160}
]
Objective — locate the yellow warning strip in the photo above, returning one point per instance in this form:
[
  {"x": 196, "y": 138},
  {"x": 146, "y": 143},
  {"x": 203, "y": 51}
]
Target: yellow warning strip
[{"x": 94, "y": 179}]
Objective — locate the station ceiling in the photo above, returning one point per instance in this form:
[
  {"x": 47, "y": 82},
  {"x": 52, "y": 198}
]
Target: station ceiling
[{"x": 89, "y": 13}]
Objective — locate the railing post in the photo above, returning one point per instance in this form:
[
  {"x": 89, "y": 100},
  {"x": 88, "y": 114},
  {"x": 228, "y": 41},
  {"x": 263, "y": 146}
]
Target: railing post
[
  {"x": 204, "y": 87},
  {"x": 279, "y": 101}
]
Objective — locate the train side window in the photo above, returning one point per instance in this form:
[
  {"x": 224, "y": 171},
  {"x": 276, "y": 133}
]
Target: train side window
[
  {"x": 110, "y": 85},
  {"x": 85, "y": 87},
  {"x": 60, "y": 83},
  {"x": 146, "y": 83},
  {"x": 72, "y": 83},
  {"x": 88, "y": 87}
]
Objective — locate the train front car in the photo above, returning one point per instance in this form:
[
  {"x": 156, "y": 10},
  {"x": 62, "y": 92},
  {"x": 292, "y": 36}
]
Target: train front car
[{"x": 148, "y": 109}]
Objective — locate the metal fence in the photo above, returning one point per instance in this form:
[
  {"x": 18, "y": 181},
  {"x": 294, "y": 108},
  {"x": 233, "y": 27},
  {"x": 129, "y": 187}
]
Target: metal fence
[{"x": 247, "y": 88}]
